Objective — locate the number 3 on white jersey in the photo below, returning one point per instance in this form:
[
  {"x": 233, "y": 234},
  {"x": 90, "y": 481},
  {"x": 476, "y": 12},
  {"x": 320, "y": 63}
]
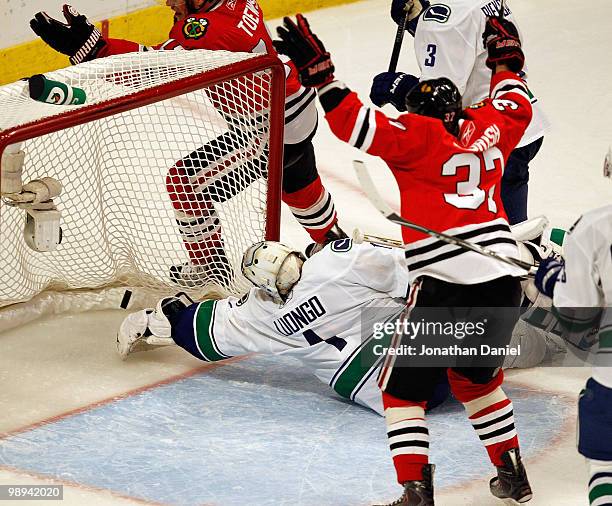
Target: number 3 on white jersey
[{"x": 469, "y": 195}]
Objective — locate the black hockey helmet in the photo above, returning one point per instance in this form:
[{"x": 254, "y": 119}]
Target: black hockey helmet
[{"x": 437, "y": 98}]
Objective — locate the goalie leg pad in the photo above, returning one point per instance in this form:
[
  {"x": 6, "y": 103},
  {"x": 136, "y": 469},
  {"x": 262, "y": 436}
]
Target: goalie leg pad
[{"x": 11, "y": 168}]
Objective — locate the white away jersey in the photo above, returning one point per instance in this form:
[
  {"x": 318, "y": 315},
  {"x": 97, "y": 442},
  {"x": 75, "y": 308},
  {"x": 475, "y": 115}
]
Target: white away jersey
[
  {"x": 587, "y": 281},
  {"x": 342, "y": 288},
  {"x": 448, "y": 43}
]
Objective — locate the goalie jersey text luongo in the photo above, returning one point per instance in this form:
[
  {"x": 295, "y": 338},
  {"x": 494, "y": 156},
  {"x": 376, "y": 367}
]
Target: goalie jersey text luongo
[{"x": 344, "y": 288}]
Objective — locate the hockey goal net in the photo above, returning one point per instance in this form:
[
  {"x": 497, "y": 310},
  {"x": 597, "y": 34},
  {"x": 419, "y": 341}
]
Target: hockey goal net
[{"x": 170, "y": 169}]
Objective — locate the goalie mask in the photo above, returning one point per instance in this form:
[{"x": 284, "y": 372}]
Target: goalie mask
[
  {"x": 274, "y": 267},
  {"x": 437, "y": 98}
]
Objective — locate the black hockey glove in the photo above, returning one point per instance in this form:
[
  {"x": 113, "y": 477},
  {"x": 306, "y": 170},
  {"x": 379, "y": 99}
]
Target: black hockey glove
[
  {"x": 501, "y": 39},
  {"x": 392, "y": 88},
  {"x": 313, "y": 62},
  {"x": 77, "y": 38}
]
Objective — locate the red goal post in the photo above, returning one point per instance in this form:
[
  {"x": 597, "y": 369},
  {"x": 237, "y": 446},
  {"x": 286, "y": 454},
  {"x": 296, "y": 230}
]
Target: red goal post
[{"x": 216, "y": 117}]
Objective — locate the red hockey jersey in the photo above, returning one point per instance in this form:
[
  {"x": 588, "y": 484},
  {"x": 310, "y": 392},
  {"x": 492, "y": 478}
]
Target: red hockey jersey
[
  {"x": 236, "y": 25},
  {"x": 446, "y": 183}
]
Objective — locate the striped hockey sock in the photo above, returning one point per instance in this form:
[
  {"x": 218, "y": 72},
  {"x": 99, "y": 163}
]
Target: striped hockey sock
[
  {"x": 490, "y": 412},
  {"x": 196, "y": 217},
  {"x": 600, "y": 484},
  {"x": 408, "y": 437},
  {"x": 313, "y": 208}
]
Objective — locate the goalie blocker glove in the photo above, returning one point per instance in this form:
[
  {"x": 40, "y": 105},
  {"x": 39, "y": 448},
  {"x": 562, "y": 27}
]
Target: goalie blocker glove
[
  {"x": 392, "y": 88},
  {"x": 313, "y": 62},
  {"x": 503, "y": 45},
  {"x": 77, "y": 38}
]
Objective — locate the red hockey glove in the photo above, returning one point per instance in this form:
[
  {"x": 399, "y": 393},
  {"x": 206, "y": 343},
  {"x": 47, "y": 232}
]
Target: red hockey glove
[
  {"x": 306, "y": 51},
  {"x": 77, "y": 38},
  {"x": 501, "y": 39}
]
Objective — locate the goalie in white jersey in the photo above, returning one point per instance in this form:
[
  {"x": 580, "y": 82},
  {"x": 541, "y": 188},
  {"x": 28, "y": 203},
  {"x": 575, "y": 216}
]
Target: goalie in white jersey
[
  {"x": 448, "y": 42},
  {"x": 318, "y": 319},
  {"x": 581, "y": 289},
  {"x": 321, "y": 311}
]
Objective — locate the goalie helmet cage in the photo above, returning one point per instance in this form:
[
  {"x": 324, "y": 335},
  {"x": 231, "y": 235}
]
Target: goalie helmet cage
[{"x": 174, "y": 160}]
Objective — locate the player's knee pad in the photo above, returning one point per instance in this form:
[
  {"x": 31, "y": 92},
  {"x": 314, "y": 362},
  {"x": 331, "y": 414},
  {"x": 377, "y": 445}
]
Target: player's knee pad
[
  {"x": 299, "y": 166},
  {"x": 595, "y": 421}
]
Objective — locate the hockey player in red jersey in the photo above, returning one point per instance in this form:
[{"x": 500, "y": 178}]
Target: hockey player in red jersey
[
  {"x": 233, "y": 25},
  {"x": 448, "y": 163}
]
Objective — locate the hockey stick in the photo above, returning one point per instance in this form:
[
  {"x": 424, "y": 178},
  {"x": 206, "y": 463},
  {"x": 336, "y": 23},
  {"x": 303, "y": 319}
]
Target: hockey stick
[
  {"x": 359, "y": 237},
  {"x": 377, "y": 201},
  {"x": 397, "y": 45}
]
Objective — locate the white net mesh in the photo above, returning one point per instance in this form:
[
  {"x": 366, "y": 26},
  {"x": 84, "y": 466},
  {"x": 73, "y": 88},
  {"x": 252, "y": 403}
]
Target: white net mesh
[{"x": 166, "y": 196}]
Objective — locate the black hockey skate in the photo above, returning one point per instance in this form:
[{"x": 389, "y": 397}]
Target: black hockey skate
[
  {"x": 418, "y": 493},
  {"x": 511, "y": 481},
  {"x": 332, "y": 235}
]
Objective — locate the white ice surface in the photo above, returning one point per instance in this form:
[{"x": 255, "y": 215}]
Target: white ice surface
[{"x": 54, "y": 366}]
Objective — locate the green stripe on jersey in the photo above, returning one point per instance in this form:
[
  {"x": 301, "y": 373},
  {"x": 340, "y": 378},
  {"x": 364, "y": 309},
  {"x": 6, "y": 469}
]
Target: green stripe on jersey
[
  {"x": 599, "y": 491},
  {"x": 359, "y": 367},
  {"x": 576, "y": 324},
  {"x": 204, "y": 319},
  {"x": 557, "y": 235},
  {"x": 605, "y": 339}
]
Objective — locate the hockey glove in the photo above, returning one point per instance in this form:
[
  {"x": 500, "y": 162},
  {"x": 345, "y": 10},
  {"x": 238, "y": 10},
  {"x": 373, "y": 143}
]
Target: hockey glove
[
  {"x": 414, "y": 8},
  {"x": 392, "y": 88},
  {"x": 548, "y": 274},
  {"x": 77, "y": 38},
  {"x": 305, "y": 50},
  {"x": 502, "y": 42}
]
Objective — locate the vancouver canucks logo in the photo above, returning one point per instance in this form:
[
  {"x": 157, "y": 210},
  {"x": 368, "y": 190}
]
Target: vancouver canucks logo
[
  {"x": 437, "y": 12},
  {"x": 195, "y": 28}
]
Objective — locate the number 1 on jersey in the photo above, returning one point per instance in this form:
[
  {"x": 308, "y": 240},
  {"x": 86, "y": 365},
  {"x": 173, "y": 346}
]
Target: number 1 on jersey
[{"x": 313, "y": 338}]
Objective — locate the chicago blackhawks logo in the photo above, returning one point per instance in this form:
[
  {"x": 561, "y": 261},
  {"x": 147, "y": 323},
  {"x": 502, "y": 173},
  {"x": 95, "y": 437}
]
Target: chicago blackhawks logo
[{"x": 195, "y": 28}]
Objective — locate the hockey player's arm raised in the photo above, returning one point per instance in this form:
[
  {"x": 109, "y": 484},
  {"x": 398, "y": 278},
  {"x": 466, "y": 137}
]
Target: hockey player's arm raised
[
  {"x": 349, "y": 119},
  {"x": 510, "y": 105}
]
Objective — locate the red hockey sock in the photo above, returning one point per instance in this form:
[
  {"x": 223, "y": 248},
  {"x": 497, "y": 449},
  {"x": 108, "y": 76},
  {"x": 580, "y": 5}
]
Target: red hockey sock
[
  {"x": 490, "y": 412},
  {"x": 408, "y": 437},
  {"x": 313, "y": 207}
]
